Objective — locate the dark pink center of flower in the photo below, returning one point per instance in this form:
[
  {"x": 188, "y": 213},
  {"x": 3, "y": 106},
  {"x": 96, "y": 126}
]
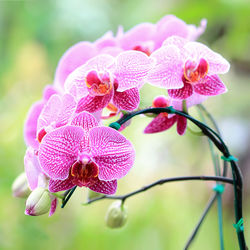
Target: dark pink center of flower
[
  {"x": 143, "y": 49},
  {"x": 98, "y": 84},
  {"x": 194, "y": 72},
  {"x": 84, "y": 173}
]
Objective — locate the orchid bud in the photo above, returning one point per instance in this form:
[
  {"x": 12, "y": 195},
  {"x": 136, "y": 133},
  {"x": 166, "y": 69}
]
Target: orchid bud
[
  {"x": 20, "y": 186},
  {"x": 38, "y": 202},
  {"x": 117, "y": 215},
  {"x": 160, "y": 102}
]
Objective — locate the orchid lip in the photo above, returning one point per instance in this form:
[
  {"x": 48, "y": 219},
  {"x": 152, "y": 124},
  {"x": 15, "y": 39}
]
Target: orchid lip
[
  {"x": 193, "y": 72},
  {"x": 98, "y": 83}
]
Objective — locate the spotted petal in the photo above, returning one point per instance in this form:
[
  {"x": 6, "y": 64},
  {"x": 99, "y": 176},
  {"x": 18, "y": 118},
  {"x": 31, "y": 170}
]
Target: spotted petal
[
  {"x": 93, "y": 103},
  {"x": 127, "y": 100},
  {"x": 209, "y": 86},
  {"x": 131, "y": 69},
  {"x": 104, "y": 187},
  {"x": 60, "y": 185},
  {"x": 112, "y": 152},
  {"x": 57, "y": 110},
  {"x": 181, "y": 124},
  {"x": 167, "y": 72},
  {"x": 160, "y": 123},
  {"x": 59, "y": 150},
  {"x": 182, "y": 93}
]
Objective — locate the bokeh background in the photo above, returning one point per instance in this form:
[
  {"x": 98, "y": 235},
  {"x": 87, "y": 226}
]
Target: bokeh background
[{"x": 33, "y": 37}]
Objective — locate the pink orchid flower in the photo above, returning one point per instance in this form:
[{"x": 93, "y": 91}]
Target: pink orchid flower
[
  {"x": 164, "y": 121},
  {"x": 85, "y": 154},
  {"x": 148, "y": 37},
  {"x": 35, "y": 176},
  {"x": 186, "y": 67},
  {"x": 30, "y": 126},
  {"x": 104, "y": 79}
]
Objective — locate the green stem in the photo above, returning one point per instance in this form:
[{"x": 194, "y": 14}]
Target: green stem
[{"x": 217, "y": 172}]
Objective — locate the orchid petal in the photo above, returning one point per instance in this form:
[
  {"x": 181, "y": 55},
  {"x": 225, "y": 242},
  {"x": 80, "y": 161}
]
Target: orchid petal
[
  {"x": 217, "y": 64},
  {"x": 131, "y": 69},
  {"x": 167, "y": 72},
  {"x": 127, "y": 100},
  {"x": 53, "y": 206},
  {"x": 209, "y": 86},
  {"x": 59, "y": 185},
  {"x": 74, "y": 57},
  {"x": 94, "y": 103},
  {"x": 160, "y": 123},
  {"x": 59, "y": 149},
  {"x": 32, "y": 168},
  {"x": 143, "y": 32},
  {"x": 182, "y": 93},
  {"x": 181, "y": 124},
  {"x": 104, "y": 187},
  {"x": 30, "y": 126},
  {"x": 112, "y": 152}
]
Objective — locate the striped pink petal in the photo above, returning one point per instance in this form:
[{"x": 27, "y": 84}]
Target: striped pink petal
[
  {"x": 94, "y": 103},
  {"x": 131, "y": 69},
  {"x": 60, "y": 185},
  {"x": 53, "y": 206},
  {"x": 160, "y": 123},
  {"x": 209, "y": 86},
  {"x": 112, "y": 152},
  {"x": 183, "y": 93},
  {"x": 127, "y": 100},
  {"x": 181, "y": 125},
  {"x": 167, "y": 72},
  {"x": 59, "y": 149},
  {"x": 57, "y": 111},
  {"x": 104, "y": 187}
]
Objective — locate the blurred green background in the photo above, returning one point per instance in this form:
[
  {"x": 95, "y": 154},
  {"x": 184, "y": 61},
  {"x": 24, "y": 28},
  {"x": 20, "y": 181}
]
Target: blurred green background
[{"x": 33, "y": 37}]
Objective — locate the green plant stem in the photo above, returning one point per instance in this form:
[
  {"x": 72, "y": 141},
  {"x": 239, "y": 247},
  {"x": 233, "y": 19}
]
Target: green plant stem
[
  {"x": 217, "y": 172},
  {"x": 161, "y": 182},
  {"x": 205, "y": 212}
]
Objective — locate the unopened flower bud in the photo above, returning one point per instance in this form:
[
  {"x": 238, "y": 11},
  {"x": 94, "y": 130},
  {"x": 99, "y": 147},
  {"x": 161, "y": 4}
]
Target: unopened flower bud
[
  {"x": 116, "y": 215},
  {"x": 20, "y": 186},
  {"x": 160, "y": 102},
  {"x": 38, "y": 202}
]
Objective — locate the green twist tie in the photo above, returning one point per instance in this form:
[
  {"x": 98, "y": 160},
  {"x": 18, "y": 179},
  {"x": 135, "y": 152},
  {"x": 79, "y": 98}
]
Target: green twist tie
[
  {"x": 115, "y": 125},
  {"x": 171, "y": 110},
  {"x": 239, "y": 226},
  {"x": 219, "y": 188},
  {"x": 229, "y": 158}
]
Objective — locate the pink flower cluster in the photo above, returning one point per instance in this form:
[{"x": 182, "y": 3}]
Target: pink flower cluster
[{"x": 68, "y": 145}]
